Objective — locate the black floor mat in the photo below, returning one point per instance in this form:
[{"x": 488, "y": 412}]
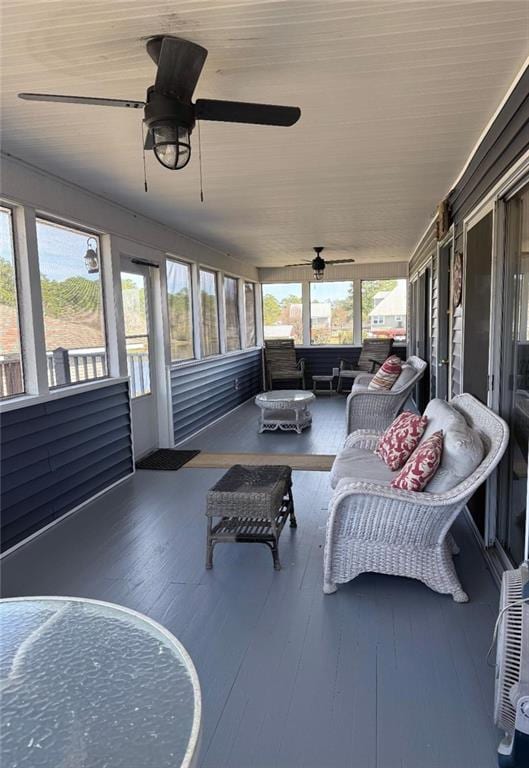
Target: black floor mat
[{"x": 166, "y": 458}]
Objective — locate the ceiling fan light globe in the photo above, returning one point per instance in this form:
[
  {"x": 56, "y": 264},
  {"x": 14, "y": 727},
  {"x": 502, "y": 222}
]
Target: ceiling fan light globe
[{"x": 171, "y": 145}]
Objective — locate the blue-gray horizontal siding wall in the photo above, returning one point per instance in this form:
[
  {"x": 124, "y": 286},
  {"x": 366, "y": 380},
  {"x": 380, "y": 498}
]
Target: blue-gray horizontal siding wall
[
  {"x": 319, "y": 361},
  {"x": 58, "y": 454},
  {"x": 505, "y": 142},
  {"x": 205, "y": 390}
]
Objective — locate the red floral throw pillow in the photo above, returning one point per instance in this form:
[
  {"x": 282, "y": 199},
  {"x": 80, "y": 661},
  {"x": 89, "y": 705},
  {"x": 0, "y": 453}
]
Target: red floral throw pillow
[
  {"x": 387, "y": 374},
  {"x": 421, "y": 466},
  {"x": 400, "y": 439}
]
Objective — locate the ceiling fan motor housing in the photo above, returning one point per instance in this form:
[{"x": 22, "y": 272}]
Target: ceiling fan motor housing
[{"x": 167, "y": 109}]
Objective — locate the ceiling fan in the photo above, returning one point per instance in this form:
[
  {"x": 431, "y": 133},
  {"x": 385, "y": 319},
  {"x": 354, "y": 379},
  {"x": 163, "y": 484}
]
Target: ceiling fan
[
  {"x": 169, "y": 113},
  {"x": 318, "y": 263}
]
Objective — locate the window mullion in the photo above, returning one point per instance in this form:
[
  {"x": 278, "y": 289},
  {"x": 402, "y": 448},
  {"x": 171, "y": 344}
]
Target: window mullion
[
  {"x": 241, "y": 298},
  {"x": 30, "y": 302},
  {"x": 196, "y": 311},
  {"x": 305, "y": 312},
  {"x": 357, "y": 313},
  {"x": 221, "y": 312}
]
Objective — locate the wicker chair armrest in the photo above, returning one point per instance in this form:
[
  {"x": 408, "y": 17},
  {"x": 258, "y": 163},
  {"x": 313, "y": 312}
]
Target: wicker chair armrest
[
  {"x": 301, "y": 364},
  {"x": 372, "y": 408},
  {"x": 374, "y": 364},
  {"x": 363, "y": 438},
  {"x": 417, "y": 498},
  {"x": 345, "y": 365}
]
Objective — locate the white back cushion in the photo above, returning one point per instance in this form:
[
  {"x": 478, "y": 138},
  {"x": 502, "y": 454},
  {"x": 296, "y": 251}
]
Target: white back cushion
[
  {"x": 441, "y": 415},
  {"x": 406, "y": 375},
  {"x": 462, "y": 447}
]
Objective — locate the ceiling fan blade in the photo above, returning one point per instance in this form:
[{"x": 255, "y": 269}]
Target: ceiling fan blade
[
  {"x": 339, "y": 261},
  {"x": 82, "y": 100},
  {"x": 304, "y": 264},
  {"x": 244, "y": 112},
  {"x": 149, "y": 143},
  {"x": 179, "y": 66}
]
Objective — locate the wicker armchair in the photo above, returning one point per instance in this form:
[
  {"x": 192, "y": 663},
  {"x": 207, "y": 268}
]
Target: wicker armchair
[
  {"x": 375, "y": 408},
  {"x": 281, "y": 363},
  {"x": 373, "y": 354},
  {"x": 374, "y": 527}
]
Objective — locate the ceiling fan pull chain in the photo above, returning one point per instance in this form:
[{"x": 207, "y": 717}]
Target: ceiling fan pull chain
[
  {"x": 144, "y": 163},
  {"x": 200, "y": 162}
]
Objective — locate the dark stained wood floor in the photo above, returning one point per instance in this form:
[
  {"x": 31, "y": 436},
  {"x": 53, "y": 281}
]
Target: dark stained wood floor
[{"x": 383, "y": 674}]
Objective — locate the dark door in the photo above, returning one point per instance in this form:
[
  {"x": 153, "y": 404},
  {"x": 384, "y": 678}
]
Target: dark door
[{"x": 477, "y": 282}]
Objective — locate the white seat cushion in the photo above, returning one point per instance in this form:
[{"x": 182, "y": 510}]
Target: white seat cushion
[{"x": 357, "y": 464}]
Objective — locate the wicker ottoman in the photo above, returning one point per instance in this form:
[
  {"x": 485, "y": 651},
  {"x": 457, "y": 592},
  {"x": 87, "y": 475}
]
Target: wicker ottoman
[{"x": 253, "y": 504}]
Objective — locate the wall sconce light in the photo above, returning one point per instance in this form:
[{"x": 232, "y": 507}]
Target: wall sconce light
[{"x": 91, "y": 258}]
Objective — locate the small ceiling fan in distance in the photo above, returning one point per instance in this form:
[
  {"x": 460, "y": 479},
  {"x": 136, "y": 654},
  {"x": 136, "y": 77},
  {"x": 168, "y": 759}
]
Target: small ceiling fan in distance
[
  {"x": 169, "y": 113},
  {"x": 318, "y": 263}
]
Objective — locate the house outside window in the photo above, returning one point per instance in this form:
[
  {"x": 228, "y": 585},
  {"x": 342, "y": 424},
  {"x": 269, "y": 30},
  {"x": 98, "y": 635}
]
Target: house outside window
[
  {"x": 331, "y": 312},
  {"x": 11, "y": 367},
  {"x": 283, "y": 311},
  {"x": 72, "y": 302},
  {"x": 384, "y": 308}
]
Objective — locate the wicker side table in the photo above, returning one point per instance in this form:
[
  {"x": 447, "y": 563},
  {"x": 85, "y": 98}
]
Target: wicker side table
[{"x": 253, "y": 504}]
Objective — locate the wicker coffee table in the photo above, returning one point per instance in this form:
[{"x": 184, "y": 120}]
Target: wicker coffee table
[
  {"x": 285, "y": 409},
  {"x": 253, "y": 504}
]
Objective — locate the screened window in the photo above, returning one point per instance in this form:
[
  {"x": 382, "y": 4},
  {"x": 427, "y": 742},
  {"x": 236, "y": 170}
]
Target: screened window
[
  {"x": 11, "y": 372},
  {"x": 249, "y": 305},
  {"x": 136, "y": 316},
  {"x": 384, "y": 308},
  {"x": 331, "y": 313},
  {"x": 209, "y": 313},
  {"x": 283, "y": 311},
  {"x": 73, "y": 305},
  {"x": 231, "y": 304},
  {"x": 180, "y": 310}
]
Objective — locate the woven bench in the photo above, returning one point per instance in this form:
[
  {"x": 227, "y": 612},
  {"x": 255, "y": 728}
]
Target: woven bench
[{"x": 253, "y": 504}]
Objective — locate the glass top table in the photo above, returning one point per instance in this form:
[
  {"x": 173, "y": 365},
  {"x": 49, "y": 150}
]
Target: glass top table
[
  {"x": 92, "y": 684},
  {"x": 285, "y": 409}
]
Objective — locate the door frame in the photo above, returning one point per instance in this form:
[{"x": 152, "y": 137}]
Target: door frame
[
  {"x": 485, "y": 208},
  {"x": 444, "y": 292},
  {"x": 506, "y": 188},
  {"x": 127, "y": 252},
  {"x": 504, "y": 358}
]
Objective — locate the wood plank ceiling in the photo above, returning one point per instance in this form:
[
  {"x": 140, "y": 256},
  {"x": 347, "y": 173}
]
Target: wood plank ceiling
[{"x": 394, "y": 94}]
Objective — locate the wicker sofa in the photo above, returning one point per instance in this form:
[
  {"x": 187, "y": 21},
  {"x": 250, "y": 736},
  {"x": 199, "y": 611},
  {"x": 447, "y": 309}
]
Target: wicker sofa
[
  {"x": 376, "y": 408},
  {"x": 374, "y": 527}
]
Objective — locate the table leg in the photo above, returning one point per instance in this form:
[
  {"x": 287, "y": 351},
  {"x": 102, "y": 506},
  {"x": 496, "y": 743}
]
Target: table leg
[
  {"x": 293, "y": 521},
  {"x": 209, "y": 547}
]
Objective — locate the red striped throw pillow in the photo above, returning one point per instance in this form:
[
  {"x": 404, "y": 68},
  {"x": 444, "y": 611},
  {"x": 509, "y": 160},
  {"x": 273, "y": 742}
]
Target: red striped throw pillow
[
  {"x": 400, "y": 439},
  {"x": 387, "y": 374},
  {"x": 421, "y": 466}
]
